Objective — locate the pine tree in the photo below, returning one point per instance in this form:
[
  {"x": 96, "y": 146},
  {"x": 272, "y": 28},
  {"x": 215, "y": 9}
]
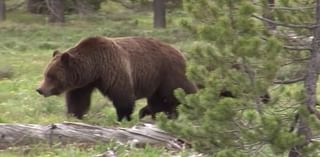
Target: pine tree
[{"x": 236, "y": 51}]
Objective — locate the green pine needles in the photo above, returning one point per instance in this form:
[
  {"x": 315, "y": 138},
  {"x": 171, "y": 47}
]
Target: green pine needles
[{"x": 234, "y": 52}]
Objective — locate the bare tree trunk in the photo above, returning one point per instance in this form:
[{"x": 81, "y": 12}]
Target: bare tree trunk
[
  {"x": 159, "y": 13},
  {"x": 304, "y": 130},
  {"x": 56, "y": 11},
  {"x": 139, "y": 135},
  {"x": 267, "y": 13},
  {"x": 36, "y": 6},
  {"x": 2, "y": 10},
  {"x": 310, "y": 86}
]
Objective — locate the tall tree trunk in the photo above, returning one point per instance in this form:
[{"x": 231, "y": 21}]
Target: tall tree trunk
[
  {"x": 159, "y": 13},
  {"x": 310, "y": 87},
  {"x": 267, "y": 13},
  {"x": 2, "y": 10},
  {"x": 56, "y": 11},
  {"x": 36, "y": 6},
  {"x": 303, "y": 130}
]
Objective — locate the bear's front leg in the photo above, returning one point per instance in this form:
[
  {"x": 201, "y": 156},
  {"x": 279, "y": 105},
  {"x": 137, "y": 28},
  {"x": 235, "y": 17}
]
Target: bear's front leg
[
  {"x": 123, "y": 100},
  {"x": 78, "y": 101},
  {"x": 145, "y": 111},
  {"x": 124, "y": 108}
]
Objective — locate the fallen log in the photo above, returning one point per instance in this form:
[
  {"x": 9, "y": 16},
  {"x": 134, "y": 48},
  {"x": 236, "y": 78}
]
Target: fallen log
[
  {"x": 108, "y": 153},
  {"x": 71, "y": 132}
]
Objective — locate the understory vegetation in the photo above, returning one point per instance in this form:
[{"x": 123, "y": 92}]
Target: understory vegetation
[
  {"x": 27, "y": 44},
  {"x": 226, "y": 47}
]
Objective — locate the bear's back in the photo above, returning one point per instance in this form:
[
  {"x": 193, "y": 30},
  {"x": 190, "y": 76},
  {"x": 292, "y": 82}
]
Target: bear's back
[{"x": 151, "y": 60}]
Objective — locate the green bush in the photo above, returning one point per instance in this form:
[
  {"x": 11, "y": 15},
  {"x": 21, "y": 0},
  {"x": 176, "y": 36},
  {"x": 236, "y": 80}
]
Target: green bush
[{"x": 226, "y": 35}]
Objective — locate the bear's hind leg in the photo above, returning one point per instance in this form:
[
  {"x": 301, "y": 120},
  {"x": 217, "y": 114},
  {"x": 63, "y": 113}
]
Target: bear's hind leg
[
  {"x": 145, "y": 111},
  {"x": 78, "y": 101},
  {"x": 156, "y": 104},
  {"x": 153, "y": 106}
]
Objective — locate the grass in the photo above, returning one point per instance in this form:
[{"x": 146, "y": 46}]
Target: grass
[{"x": 26, "y": 47}]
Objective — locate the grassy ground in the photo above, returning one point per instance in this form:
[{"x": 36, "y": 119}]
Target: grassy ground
[{"x": 26, "y": 45}]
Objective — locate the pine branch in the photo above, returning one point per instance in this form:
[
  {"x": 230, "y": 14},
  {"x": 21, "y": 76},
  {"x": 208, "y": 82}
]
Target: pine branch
[
  {"x": 305, "y": 26},
  {"x": 312, "y": 109},
  {"x": 296, "y": 60},
  {"x": 297, "y": 48},
  {"x": 295, "y": 122},
  {"x": 293, "y": 8},
  {"x": 316, "y": 138},
  {"x": 295, "y": 41},
  {"x": 289, "y": 81}
]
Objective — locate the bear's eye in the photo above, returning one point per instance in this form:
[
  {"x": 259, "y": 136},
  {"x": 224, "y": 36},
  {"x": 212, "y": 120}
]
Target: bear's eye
[{"x": 51, "y": 77}]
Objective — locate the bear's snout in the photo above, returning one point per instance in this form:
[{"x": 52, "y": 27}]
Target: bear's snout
[
  {"x": 39, "y": 91},
  {"x": 42, "y": 92}
]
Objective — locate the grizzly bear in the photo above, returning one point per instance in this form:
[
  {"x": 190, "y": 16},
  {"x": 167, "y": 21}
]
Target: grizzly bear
[
  {"x": 122, "y": 69},
  {"x": 264, "y": 97}
]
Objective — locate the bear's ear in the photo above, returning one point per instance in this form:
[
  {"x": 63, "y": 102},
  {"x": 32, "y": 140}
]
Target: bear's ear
[
  {"x": 65, "y": 58},
  {"x": 55, "y": 52}
]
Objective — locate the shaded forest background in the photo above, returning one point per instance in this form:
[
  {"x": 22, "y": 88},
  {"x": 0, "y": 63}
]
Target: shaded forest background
[{"x": 248, "y": 48}]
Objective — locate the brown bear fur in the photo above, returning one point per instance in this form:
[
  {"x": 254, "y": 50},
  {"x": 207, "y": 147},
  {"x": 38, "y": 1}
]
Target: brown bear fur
[{"x": 123, "y": 69}]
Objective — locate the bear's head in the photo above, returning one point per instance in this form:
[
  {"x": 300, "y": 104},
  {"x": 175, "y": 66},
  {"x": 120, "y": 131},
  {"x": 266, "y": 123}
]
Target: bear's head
[{"x": 57, "y": 77}]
